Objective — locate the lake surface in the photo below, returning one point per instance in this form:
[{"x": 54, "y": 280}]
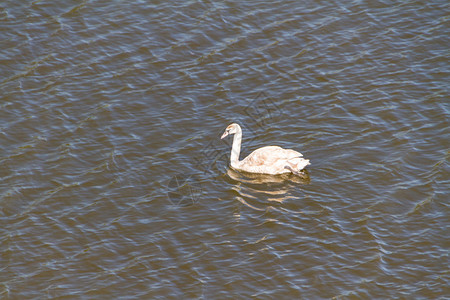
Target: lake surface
[{"x": 114, "y": 182}]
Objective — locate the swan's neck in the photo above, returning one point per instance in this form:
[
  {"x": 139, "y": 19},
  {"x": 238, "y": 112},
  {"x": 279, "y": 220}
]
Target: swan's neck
[{"x": 236, "y": 148}]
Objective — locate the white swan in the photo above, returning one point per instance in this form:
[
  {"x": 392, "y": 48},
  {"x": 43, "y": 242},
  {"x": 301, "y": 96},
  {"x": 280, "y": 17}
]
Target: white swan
[{"x": 271, "y": 160}]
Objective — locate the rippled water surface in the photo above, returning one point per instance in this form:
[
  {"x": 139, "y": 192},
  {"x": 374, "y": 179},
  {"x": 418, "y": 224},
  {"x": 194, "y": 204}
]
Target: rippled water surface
[{"x": 114, "y": 181}]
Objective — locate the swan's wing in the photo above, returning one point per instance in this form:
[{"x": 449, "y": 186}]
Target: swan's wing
[
  {"x": 269, "y": 155},
  {"x": 289, "y": 153}
]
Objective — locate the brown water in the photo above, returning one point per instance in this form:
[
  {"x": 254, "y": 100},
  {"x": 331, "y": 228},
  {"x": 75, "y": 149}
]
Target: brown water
[{"x": 114, "y": 181}]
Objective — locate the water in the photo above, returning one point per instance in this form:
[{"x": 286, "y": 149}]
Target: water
[{"x": 114, "y": 180}]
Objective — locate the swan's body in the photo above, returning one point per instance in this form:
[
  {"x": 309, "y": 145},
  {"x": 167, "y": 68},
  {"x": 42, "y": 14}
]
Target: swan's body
[{"x": 266, "y": 160}]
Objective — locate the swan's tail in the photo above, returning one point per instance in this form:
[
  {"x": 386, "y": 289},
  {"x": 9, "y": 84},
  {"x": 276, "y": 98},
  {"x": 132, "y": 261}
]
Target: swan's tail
[{"x": 297, "y": 164}]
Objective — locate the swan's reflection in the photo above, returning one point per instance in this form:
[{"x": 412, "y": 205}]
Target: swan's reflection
[
  {"x": 266, "y": 179},
  {"x": 252, "y": 186}
]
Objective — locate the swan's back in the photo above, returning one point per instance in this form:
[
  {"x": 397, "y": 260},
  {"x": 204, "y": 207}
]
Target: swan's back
[{"x": 273, "y": 160}]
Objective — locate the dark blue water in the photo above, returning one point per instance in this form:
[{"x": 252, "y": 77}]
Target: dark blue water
[{"x": 114, "y": 181}]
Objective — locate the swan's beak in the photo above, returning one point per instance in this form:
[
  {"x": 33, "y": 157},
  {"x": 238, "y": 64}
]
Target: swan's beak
[{"x": 224, "y": 134}]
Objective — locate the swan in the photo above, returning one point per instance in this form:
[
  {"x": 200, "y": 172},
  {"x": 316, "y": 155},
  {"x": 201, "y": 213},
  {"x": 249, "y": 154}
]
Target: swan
[{"x": 270, "y": 160}]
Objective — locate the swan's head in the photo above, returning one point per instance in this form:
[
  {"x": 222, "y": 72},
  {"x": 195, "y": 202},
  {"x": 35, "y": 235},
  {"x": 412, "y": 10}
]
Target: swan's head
[{"x": 231, "y": 129}]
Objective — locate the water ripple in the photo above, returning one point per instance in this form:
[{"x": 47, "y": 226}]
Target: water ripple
[{"x": 115, "y": 181}]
